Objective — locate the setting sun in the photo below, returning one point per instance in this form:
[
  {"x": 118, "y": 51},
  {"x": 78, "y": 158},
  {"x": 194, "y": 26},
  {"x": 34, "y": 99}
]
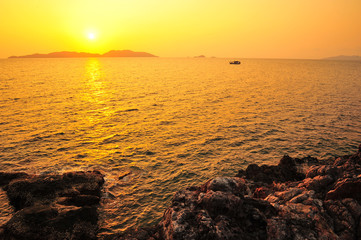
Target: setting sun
[
  {"x": 91, "y": 36},
  {"x": 271, "y": 29}
]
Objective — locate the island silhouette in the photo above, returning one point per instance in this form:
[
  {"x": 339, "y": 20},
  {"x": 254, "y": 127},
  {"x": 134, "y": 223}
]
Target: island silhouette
[
  {"x": 344, "y": 58},
  {"x": 67, "y": 54}
]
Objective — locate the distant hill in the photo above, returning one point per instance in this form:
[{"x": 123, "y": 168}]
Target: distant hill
[
  {"x": 126, "y": 53},
  {"x": 65, "y": 54},
  {"x": 345, "y": 58}
]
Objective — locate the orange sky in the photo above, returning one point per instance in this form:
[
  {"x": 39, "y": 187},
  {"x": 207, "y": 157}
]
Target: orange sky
[{"x": 181, "y": 28}]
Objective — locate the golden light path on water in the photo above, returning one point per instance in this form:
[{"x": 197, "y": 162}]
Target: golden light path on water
[
  {"x": 170, "y": 123},
  {"x": 94, "y": 93}
]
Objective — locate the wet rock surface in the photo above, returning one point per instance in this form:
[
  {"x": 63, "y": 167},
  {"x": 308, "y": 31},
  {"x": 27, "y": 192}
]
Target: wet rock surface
[
  {"x": 52, "y": 206},
  {"x": 296, "y": 199}
]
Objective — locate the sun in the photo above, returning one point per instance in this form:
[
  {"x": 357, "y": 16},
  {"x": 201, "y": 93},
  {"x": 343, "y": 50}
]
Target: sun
[{"x": 91, "y": 36}]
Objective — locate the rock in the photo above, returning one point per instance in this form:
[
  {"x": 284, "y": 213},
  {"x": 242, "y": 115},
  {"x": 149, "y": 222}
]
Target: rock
[
  {"x": 220, "y": 203},
  {"x": 236, "y": 186},
  {"x": 353, "y": 207},
  {"x": 324, "y": 205},
  {"x": 344, "y": 224},
  {"x": 287, "y": 162},
  {"x": 322, "y": 170},
  {"x": 48, "y": 222},
  {"x": 44, "y": 189},
  {"x": 288, "y": 194},
  {"x": 6, "y": 177},
  {"x": 318, "y": 183},
  {"x": 54, "y": 206},
  {"x": 216, "y": 210},
  {"x": 285, "y": 171},
  {"x": 261, "y": 192},
  {"x": 346, "y": 188}
]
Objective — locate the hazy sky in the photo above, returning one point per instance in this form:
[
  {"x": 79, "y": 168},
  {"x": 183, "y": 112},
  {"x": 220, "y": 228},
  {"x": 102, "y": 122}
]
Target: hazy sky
[{"x": 181, "y": 28}]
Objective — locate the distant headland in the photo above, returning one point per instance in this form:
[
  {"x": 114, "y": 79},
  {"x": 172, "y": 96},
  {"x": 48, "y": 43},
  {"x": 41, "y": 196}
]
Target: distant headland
[
  {"x": 66, "y": 54},
  {"x": 345, "y": 58}
]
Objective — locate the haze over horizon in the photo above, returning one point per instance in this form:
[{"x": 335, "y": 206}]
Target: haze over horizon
[{"x": 249, "y": 29}]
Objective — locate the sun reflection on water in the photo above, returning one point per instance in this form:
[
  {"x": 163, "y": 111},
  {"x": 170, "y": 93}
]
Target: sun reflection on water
[
  {"x": 96, "y": 112},
  {"x": 94, "y": 86}
]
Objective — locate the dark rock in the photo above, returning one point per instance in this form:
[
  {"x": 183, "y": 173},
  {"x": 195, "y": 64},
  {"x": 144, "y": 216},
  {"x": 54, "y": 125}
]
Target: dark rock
[
  {"x": 54, "y": 206},
  {"x": 43, "y": 189},
  {"x": 220, "y": 203},
  {"x": 49, "y": 222},
  {"x": 287, "y": 162},
  {"x": 343, "y": 222},
  {"x": 6, "y": 177},
  {"x": 26, "y": 192},
  {"x": 285, "y": 171},
  {"x": 124, "y": 175}
]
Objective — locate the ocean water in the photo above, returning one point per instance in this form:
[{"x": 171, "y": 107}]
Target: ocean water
[{"x": 170, "y": 123}]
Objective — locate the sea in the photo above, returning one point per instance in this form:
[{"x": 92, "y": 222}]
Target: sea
[{"x": 157, "y": 125}]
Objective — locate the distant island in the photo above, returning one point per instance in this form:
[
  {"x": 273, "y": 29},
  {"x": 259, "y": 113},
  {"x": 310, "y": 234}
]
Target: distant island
[
  {"x": 66, "y": 54},
  {"x": 344, "y": 58}
]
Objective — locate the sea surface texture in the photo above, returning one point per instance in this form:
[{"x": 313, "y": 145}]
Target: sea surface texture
[{"x": 157, "y": 125}]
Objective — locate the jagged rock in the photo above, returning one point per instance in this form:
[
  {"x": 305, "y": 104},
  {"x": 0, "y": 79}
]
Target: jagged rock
[
  {"x": 323, "y": 203},
  {"x": 346, "y": 188},
  {"x": 322, "y": 170},
  {"x": 318, "y": 183},
  {"x": 216, "y": 210}
]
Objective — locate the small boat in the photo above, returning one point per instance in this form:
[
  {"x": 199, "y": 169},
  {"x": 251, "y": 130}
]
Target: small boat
[{"x": 234, "y": 62}]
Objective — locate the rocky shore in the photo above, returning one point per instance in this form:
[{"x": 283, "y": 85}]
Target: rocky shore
[{"x": 297, "y": 199}]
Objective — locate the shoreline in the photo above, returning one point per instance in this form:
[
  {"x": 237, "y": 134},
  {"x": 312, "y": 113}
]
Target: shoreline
[{"x": 297, "y": 199}]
